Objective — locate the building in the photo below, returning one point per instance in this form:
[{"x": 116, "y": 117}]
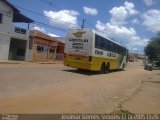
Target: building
[
  {"x": 45, "y": 48},
  {"x": 14, "y": 41}
]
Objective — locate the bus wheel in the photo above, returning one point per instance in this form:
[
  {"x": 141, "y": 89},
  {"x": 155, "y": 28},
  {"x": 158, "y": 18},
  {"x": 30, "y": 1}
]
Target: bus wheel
[
  {"x": 102, "y": 69},
  {"x": 107, "y": 68}
]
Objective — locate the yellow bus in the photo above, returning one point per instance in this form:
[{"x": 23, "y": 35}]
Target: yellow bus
[{"x": 88, "y": 49}]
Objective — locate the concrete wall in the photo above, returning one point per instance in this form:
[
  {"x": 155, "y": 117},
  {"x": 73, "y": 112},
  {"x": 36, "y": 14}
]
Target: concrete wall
[
  {"x": 19, "y": 35},
  {"x": 4, "y": 46},
  {"x": 5, "y": 30},
  {"x": 23, "y": 37}
]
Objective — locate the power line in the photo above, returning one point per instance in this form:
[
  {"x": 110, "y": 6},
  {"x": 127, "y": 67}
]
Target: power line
[
  {"x": 48, "y": 2},
  {"x": 41, "y": 24},
  {"x": 49, "y": 26},
  {"x": 44, "y": 15},
  {"x": 58, "y": 8}
]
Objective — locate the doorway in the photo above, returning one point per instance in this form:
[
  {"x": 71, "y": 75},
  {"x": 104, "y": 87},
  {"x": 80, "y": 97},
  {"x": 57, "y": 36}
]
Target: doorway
[{"x": 17, "y": 49}]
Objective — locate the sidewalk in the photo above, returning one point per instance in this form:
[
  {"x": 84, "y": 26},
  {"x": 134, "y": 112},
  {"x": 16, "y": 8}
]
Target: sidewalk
[
  {"x": 10, "y": 62},
  {"x": 22, "y": 62}
]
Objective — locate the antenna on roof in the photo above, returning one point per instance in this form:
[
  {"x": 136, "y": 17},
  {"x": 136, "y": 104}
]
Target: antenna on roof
[{"x": 83, "y": 23}]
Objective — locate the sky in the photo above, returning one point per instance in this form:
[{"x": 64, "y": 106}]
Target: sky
[{"x": 132, "y": 23}]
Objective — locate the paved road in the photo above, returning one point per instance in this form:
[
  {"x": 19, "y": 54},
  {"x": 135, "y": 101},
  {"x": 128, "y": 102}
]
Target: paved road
[{"x": 53, "y": 88}]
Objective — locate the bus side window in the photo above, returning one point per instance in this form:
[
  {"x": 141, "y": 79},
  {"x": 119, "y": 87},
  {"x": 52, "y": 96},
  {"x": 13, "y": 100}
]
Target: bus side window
[
  {"x": 96, "y": 41},
  {"x": 104, "y": 44},
  {"x": 118, "y": 49},
  {"x": 108, "y": 45},
  {"x": 114, "y": 47},
  {"x": 111, "y": 47}
]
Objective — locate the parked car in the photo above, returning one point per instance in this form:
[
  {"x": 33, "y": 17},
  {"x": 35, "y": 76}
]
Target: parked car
[{"x": 148, "y": 66}]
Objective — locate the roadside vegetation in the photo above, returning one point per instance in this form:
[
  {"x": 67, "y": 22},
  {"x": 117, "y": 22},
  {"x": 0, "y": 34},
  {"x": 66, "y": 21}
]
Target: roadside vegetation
[{"x": 152, "y": 50}]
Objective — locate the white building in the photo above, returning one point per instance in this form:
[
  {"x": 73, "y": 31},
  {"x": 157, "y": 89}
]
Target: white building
[{"x": 14, "y": 41}]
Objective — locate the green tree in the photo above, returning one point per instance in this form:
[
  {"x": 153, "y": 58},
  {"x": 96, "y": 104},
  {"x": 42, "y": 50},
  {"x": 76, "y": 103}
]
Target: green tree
[{"x": 152, "y": 50}]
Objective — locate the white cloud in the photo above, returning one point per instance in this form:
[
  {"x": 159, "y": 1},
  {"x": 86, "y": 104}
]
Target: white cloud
[
  {"x": 152, "y": 20},
  {"x": 100, "y": 26},
  {"x": 90, "y": 11},
  {"x": 135, "y": 49},
  {"x": 53, "y": 35},
  {"x": 128, "y": 34},
  {"x": 136, "y": 40},
  {"x": 130, "y": 8},
  {"x": 116, "y": 28},
  {"x": 135, "y": 21},
  {"x": 41, "y": 29},
  {"x": 63, "y": 18},
  {"x": 149, "y": 2},
  {"x": 120, "y": 31},
  {"x": 119, "y": 14}
]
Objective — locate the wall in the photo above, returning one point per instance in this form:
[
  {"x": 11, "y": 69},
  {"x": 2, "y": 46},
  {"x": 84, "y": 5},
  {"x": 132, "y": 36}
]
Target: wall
[
  {"x": 4, "y": 46},
  {"x": 44, "y": 56},
  {"x": 52, "y": 49},
  {"x": 5, "y": 30}
]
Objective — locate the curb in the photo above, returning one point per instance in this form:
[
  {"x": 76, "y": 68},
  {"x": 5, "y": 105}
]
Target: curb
[{"x": 15, "y": 62}]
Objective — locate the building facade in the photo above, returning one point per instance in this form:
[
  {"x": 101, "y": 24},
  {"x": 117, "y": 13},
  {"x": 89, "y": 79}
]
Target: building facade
[
  {"x": 45, "y": 48},
  {"x": 14, "y": 41}
]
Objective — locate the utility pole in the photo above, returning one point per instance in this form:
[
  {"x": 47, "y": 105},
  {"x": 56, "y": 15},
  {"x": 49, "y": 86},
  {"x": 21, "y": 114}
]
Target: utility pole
[{"x": 83, "y": 23}]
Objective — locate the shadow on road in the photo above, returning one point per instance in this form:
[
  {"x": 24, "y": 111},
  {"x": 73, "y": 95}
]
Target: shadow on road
[{"x": 90, "y": 73}]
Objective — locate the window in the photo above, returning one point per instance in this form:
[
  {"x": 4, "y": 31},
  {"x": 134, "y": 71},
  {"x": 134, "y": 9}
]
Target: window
[
  {"x": 20, "y": 30},
  {"x": 114, "y": 47},
  {"x": 52, "y": 49},
  {"x": 40, "y": 49},
  {"x": 105, "y": 44},
  {"x": 108, "y": 45},
  {"x": 1, "y": 17},
  {"x": 111, "y": 46},
  {"x": 100, "y": 42}
]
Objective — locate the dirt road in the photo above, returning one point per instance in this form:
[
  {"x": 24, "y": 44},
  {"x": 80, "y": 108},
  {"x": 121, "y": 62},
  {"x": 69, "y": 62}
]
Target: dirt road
[{"x": 53, "y": 88}]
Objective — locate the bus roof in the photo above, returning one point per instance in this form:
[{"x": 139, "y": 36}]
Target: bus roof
[{"x": 99, "y": 33}]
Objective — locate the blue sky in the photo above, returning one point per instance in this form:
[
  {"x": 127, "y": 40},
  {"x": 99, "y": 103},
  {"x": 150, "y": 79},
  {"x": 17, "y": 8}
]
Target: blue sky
[{"x": 130, "y": 22}]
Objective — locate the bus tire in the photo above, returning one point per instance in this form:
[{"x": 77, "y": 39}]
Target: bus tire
[
  {"x": 103, "y": 69},
  {"x": 107, "y": 68}
]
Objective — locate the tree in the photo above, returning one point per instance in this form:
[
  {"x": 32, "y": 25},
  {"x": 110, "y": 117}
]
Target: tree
[{"x": 152, "y": 50}]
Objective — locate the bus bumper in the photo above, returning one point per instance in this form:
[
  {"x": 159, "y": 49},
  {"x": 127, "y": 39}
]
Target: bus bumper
[{"x": 79, "y": 64}]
